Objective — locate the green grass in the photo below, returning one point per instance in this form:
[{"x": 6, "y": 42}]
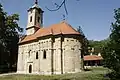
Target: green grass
[{"x": 93, "y": 74}]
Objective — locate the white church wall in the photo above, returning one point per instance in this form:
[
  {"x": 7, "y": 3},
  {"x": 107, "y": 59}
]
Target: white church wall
[
  {"x": 57, "y": 55},
  {"x": 45, "y": 63},
  {"x": 31, "y": 14},
  {"x": 71, "y": 55}
]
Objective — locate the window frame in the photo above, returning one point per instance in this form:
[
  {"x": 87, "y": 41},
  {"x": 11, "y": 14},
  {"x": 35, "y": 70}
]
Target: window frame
[
  {"x": 44, "y": 54},
  {"x": 37, "y": 55},
  {"x": 30, "y": 18}
]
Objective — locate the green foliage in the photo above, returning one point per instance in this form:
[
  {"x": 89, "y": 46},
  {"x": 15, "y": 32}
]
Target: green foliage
[
  {"x": 101, "y": 43},
  {"x": 97, "y": 45},
  {"x": 84, "y": 42},
  {"x": 9, "y": 37},
  {"x": 111, "y": 52}
]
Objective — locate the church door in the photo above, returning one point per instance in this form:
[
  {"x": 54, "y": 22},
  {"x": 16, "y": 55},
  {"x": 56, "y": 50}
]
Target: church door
[{"x": 30, "y": 68}]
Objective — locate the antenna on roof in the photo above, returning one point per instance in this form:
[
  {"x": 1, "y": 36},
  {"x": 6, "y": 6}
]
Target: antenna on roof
[{"x": 36, "y": 1}]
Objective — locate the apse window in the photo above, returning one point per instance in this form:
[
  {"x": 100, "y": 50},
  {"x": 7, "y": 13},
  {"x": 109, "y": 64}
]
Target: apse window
[
  {"x": 29, "y": 53},
  {"x": 37, "y": 55},
  {"x": 44, "y": 54},
  {"x": 30, "y": 18}
]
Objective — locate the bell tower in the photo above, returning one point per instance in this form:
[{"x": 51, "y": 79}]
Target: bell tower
[{"x": 35, "y": 19}]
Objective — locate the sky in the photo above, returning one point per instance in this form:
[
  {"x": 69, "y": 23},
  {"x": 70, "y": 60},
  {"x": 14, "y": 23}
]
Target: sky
[{"x": 94, "y": 16}]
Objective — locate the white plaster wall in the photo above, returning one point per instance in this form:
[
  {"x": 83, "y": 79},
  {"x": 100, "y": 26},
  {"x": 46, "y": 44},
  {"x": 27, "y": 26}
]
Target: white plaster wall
[
  {"x": 45, "y": 64},
  {"x": 34, "y": 14},
  {"x": 57, "y": 55},
  {"x": 71, "y": 56},
  {"x": 30, "y": 31},
  {"x": 31, "y": 13}
]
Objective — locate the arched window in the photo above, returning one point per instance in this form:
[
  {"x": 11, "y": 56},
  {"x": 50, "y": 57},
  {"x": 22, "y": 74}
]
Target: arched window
[
  {"x": 29, "y": 53},
  {"x": 36, "y": 55},
  {"x": 44, "y": 54},
  {"x": 30, "y": 18}
]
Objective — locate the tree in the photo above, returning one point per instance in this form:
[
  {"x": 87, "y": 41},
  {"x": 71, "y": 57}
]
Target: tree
[
  {"x": 97, "y": 45},
  {"x": 111, "y": 52},
  {"x": 9, "y": 38},
  {"x": 84, "y": 50}
]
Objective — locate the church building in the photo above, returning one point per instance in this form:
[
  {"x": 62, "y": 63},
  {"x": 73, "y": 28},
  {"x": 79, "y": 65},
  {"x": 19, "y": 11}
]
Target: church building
[{"x": 48, "y": 50}]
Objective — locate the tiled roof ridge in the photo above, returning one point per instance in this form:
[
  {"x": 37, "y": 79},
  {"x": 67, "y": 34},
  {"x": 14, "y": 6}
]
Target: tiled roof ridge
[
  {"x": 55, "y": 29},
  {"x": 71, "y": 27},
  {"x": 92, "y": 57}
]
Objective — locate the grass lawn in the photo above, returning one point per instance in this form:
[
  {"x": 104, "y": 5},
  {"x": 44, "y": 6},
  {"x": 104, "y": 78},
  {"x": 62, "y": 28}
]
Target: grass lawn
[{"x": 94, "y": 74}]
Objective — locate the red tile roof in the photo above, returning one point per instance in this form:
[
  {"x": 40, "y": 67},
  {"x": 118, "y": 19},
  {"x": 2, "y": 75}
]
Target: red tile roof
[
  {"x": 92, "y": 57},
  {"x": 61, "y": 28}
]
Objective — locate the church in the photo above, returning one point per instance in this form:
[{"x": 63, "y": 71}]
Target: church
[{"x": 48, "y": 50}]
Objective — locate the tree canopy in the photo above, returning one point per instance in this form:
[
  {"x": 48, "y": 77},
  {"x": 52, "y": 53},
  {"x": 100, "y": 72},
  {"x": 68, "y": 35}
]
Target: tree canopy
[
  {"x": 97, "y": 45},
  {"x": 111, "y": 52},
  {"x": 9, "y": 37}
]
